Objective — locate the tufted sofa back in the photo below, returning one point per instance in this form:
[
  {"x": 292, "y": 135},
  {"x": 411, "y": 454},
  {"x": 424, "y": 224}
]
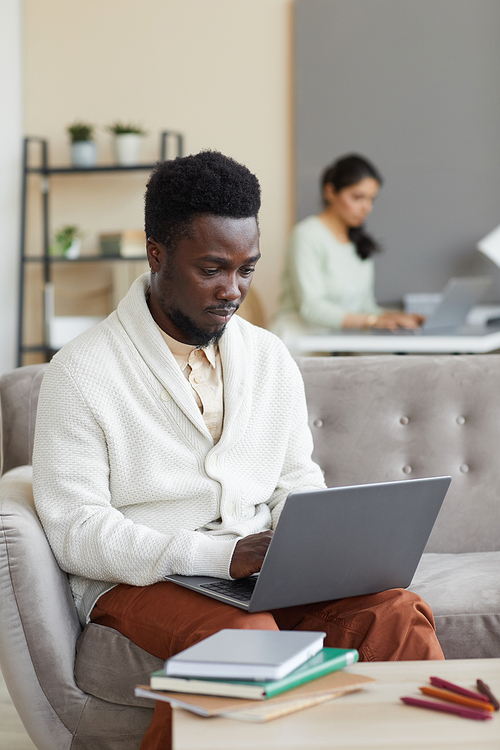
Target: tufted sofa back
[
  {"x": 373, "y": 419},
  {"x": 384, "y": 418}
]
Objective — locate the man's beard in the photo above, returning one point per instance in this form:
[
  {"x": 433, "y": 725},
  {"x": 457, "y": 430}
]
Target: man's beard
[{"x": 199, "y": 336}]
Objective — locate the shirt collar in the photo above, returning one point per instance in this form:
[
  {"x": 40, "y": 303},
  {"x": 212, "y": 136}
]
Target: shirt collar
[{"x": 179, "y": 349}]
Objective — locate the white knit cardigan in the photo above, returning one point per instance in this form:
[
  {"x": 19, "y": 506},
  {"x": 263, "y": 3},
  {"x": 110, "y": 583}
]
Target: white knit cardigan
[{"x": 128, "y": 483}]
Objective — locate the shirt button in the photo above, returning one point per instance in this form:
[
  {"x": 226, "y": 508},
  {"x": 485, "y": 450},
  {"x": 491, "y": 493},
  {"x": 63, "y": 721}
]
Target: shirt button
[
  {"x": 464, "y": 469},
  {"x": 198, "y": 379},
  {"x": 318, "y": 423},
  {"x": 165, "y": 395},
  {"x": 404, "y": 420},
  {"x": 407, "y": 469},
  {"x": 460, "y": 420}
]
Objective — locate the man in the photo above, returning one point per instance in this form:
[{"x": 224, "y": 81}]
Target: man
[{"x": 169, "y": 436}]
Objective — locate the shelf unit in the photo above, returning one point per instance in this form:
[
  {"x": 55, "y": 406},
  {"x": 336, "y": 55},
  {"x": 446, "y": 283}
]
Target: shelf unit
[{"x": 167, "y": 138}]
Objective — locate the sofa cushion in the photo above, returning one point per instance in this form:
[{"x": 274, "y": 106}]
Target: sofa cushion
[
  {"x": 109, "y": 666},
  {"x": 464, "y": 594}
]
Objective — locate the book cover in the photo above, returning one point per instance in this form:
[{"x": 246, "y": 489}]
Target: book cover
[
  {"x": 246, "y": 654},
  {"x": 325, "y": 688},
  {"x": 130, "y": 243},
  {"x": 133, "y": 243},
  {"x": 326, "y": 661}
]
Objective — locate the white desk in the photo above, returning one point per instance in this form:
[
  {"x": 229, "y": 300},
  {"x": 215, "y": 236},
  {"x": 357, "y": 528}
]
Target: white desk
[
  {"x": 328, "y": 342},
  {"x": 364, "y": 341},
  {"x": 373, "y": 719}
]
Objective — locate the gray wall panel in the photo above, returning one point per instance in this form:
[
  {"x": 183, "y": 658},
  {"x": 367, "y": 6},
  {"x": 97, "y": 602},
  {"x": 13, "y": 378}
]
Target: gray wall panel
[{"x": 414, "y": 85}]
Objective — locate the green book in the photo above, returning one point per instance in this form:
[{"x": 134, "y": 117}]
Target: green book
[{"x": 326, "y": 661}]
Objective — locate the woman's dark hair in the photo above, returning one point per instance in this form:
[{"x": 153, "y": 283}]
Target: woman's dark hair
[{"x": 346, "y": 171}]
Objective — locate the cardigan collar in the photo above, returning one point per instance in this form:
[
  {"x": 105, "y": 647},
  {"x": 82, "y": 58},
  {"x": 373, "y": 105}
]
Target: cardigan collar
[{"x": 236, "y": 356}]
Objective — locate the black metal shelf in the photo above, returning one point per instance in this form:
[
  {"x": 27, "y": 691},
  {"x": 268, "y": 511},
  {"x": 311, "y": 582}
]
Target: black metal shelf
[
  {"x": 37, "y": 348},
  {"x": 89, "y": 170},
  {"x": 80, "y": 259},
  {"x": 47, "y": 260}
]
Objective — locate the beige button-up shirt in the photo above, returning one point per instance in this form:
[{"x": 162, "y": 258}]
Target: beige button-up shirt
[{"x": 203, "y": 370}]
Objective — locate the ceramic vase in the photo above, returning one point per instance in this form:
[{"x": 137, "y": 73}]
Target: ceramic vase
[
  {"x": 73, "y": 250},
  {"x": 84, "y": 154},
  {"x": 127, "y": 148}
]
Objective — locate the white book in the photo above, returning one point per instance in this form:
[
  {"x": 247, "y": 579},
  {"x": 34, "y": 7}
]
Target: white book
[{"x": 246, "y": 654}]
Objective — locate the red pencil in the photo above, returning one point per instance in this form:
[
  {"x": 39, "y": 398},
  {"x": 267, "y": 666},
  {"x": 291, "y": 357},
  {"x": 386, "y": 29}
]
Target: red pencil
[
  {"x": 439, "y": 683},
  {"x": 467, "y": 713}
]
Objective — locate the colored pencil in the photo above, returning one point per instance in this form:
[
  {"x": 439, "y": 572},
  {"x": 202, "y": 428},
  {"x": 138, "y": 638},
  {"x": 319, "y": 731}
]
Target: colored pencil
[
  {"x": 467, "y": 713},
  {"x": 483, "y": 688},
  {"x": 439, "y": 683},
  {"x": 447, "y": 695}
]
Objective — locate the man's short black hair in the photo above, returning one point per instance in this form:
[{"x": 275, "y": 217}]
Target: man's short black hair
[{"x": 206, "y": 183}]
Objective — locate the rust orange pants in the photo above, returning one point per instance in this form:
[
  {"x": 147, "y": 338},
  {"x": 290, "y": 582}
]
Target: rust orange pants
[{"x": 164, "y": 619}]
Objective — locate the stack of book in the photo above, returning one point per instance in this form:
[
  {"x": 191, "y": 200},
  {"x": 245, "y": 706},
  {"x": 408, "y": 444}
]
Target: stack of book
[
  {"x": 254, "y": 675},
  {"x": 130, "y": 243}
]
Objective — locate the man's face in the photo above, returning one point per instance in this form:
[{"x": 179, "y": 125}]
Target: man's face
[{"x": 198, "y": 287}]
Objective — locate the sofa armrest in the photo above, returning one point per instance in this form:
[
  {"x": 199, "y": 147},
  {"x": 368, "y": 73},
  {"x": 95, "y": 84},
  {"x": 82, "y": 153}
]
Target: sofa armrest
[
  {"x": 18, "y": 484},
  {"x": 38, "y": 621},
  {"x": 19, "y": 391}
]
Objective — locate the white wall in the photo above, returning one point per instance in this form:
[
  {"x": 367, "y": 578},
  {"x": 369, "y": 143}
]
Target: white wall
[{"x": 10, "y": 167}]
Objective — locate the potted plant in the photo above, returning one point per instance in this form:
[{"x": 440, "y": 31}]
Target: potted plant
[
  {"x": 67, "y": 242},
  {"x": 126, "y": 143},
  {"x": 83, "y": 146}
]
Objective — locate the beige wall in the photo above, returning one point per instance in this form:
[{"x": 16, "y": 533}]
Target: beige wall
[{"x": 219, "y": 71}]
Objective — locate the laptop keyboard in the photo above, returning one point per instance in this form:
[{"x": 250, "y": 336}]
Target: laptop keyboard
[{"x": 240, "y": 589}]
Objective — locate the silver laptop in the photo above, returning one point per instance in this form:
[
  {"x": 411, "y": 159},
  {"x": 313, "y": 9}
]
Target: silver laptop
[
  {"x": 449, "y": 316},
  {"x": 334, "y": 543},
  {"x": 457, "y": 299}
]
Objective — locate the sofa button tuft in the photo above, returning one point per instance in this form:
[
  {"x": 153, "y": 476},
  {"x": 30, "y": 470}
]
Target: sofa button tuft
[
  {"x": 404, "y": 420},
  {"x": 407, "y": 469},
  {"x": 460, "y": 420},
  {"x": 464, "y": 469},
  {"x": 318, "y": 423}
]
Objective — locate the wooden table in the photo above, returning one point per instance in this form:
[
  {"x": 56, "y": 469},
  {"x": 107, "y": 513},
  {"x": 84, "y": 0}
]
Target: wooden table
[{"x": 372, "y": 719}]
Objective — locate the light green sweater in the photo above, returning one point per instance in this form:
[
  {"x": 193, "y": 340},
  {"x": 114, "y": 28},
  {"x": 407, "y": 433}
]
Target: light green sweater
[{"x": 324, "y": 279}]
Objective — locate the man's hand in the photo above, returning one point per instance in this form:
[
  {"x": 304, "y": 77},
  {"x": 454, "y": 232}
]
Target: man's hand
[{"x": 249, "y": 554}]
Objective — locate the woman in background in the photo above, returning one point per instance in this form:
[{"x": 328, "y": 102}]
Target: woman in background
[{"x": 328, "y": 281}]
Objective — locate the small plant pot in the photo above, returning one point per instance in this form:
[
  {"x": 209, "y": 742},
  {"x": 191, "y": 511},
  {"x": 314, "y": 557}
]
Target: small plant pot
[
  {"x": 84, "y": 154},
  {"x": 127, "y": 147},
  {"x": 73, "y": 251}
]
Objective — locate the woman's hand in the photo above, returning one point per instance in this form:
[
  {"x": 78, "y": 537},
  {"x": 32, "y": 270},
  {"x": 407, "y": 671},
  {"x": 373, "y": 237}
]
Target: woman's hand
[{"x": 393, "y": 319}]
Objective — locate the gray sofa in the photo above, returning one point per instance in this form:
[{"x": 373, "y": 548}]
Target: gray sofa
[
  {"x": 373, "y": 419},
  {"x": 385, "y": 418}
]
